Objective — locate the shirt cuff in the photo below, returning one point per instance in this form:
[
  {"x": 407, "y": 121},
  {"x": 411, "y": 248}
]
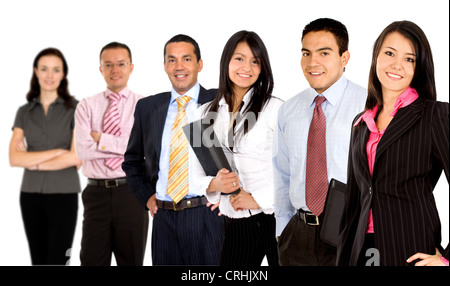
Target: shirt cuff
[{"x": 213, "y": 197}]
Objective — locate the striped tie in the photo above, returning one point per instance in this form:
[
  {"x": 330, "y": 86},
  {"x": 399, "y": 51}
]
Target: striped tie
[
  {"x": 111, "y": 125},
  {"x": 178, "y": 185}
]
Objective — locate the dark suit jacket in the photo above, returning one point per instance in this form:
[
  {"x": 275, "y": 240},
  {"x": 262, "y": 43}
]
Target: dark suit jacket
[
  {"x": 409, "y": 160},
  {"x": 141, "y": 163}
]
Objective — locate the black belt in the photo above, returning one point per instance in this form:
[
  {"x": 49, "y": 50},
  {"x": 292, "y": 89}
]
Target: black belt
[
  {"x": 107, "y": 183},
  {"x": 183, "y": 204},
  {"x": 308, "y": 217}
]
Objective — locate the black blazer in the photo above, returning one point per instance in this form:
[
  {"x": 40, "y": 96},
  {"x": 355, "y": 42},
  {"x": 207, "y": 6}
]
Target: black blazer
[
  {"x": 409, "y": 160},
  {"x": 141, "y": 160}
]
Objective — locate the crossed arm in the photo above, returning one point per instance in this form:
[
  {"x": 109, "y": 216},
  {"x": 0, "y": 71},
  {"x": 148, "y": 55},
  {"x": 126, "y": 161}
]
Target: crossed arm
[{"x": 49, "y": 160}]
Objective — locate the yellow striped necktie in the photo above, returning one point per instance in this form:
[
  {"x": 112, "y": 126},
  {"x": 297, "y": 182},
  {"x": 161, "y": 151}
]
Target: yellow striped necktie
[{"x": 178, "y": 185}]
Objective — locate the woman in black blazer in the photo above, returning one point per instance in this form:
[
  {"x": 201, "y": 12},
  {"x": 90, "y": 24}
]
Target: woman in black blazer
[{"x": 399, "y": 147}]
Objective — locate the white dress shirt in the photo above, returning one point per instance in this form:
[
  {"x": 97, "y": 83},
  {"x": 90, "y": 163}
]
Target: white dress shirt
[
  {"x": 344, "y": 101},
  {"x": 251, "y": 158}
]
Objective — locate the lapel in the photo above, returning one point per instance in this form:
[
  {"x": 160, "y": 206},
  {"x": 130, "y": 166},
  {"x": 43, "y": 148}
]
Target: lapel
[
  {"x": 159, "y": 111},
  {"x": 203, "y": 96},
  {"x": 159, "y": 114},
  {"x": 360, "y": 146},
  {"x": 404, "y": 119}
]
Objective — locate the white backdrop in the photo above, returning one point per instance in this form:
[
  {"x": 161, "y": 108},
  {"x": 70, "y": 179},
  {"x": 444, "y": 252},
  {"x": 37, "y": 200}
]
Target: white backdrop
[{"x": 81, "y": 28}]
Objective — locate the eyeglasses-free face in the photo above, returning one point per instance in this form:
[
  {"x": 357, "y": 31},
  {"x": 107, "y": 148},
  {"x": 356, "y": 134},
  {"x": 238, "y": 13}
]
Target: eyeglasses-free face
[
  {"x": 396, "y": 64},
  {"x": 321, "y": 63},
  {"x": 182, "y": 66},
  {"x": 49, "y": 72}
]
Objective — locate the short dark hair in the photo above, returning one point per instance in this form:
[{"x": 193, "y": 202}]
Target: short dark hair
[
  {"x": 184, "y": 38},
  {"x": 116, "y": 45},
  {"x": 330, "y": 25},
  {"x": 423, "y": 81}
]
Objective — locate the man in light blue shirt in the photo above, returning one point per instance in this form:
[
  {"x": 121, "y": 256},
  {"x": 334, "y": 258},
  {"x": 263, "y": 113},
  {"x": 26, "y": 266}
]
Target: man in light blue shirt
[{"x": 324, "y": 57}]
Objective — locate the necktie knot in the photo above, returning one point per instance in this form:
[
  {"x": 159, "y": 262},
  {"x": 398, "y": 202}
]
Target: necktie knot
[
  {"x": 182, "y": 101},
  {"x": 114, "y": 97},
  {"x": 319, "y": 100}
]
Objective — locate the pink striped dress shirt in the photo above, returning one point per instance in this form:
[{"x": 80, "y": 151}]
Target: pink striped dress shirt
[{"x": 89, "y": 118}]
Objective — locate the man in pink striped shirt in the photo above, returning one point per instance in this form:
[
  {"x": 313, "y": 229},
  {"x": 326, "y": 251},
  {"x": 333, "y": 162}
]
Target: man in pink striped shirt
[{"x": 114, "y": 221}]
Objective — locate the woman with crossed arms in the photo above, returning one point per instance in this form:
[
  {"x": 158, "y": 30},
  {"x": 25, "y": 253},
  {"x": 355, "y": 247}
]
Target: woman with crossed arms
[{"x": 42, "y": 143}]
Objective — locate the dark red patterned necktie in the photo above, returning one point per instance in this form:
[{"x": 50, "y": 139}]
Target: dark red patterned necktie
[{"x": 316, "y": 182}]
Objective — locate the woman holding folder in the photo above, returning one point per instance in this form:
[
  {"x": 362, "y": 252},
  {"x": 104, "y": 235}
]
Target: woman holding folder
[{"x": 244, "y": 113}]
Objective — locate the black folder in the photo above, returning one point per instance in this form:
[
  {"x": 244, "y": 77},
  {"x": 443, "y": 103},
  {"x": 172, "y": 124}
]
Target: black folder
[
  {"x": 207, "y": 148},
  {"x": 332, "y": 213}
]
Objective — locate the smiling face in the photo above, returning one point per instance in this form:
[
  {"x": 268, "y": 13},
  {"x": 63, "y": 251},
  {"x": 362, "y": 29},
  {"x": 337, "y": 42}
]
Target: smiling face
[
  {"x": 395, "y": 64},
  {"x": 321, "y": 63},
  {"x": 244, "y": 69},
  {"x": 182, "y": 66},
  {"x": 49, "y": 72},
  {"x": 116, "y": 68}
]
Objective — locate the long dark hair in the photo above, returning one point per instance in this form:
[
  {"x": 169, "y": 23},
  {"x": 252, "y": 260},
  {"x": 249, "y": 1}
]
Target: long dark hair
[
  {"x": 63, "y": 88},
  {"x": 423, "y": 81},
  {"x": 262, "y": 88}
]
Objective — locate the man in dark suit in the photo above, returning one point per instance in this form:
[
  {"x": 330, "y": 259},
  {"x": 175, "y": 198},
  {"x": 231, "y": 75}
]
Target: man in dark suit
[{"x": 185, "y": 231}]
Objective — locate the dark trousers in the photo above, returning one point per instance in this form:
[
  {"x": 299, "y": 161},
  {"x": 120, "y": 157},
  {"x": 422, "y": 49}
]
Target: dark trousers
[
  {"x": 248, "y": 240},
  {"x": 300, "y": 245},
  {"x": 49, "y": 221},
  {"x": 364, "y": 257},
  {"x": 114, "y": 222},
  {"x": 187, "y": 237}
]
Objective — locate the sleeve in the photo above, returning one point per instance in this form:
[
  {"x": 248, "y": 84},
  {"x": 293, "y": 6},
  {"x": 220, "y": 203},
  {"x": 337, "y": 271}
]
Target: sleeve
[
  {"x": 134, "y": 163},
  {"x": 201, "y": 181},
  {"x": 350, "y": 215},
  {"x": 18, "y": 121},
  {"x": 281, "y": 177},
  {"x": 264, "y": 189},
  {"x": 86, "y": 147},
  {"x": 440, "y": 141},
  {"x": 113, "y": 144}
]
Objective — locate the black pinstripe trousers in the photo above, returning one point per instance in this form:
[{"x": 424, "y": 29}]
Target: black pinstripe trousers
[
  {"x": 248, "y": 240},
  {"x": 187, "y": 237}
]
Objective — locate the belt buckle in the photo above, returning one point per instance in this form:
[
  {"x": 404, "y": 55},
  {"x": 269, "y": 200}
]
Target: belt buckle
[
  {"x": 313, "y": 223},
  {"x": 111, "y": 183},
  {"x": 175, "y": 207}
]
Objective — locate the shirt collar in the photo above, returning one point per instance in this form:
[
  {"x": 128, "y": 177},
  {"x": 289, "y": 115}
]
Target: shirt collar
[
  {"x": 333, "y": 94},
  {"x": 124, "y": 92},
  {"x": 407, "y": 97},
  {"x": 37, "y": 100},
  {"x": 246, "y": 99},
  {"x": 193, "y": 93}
]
